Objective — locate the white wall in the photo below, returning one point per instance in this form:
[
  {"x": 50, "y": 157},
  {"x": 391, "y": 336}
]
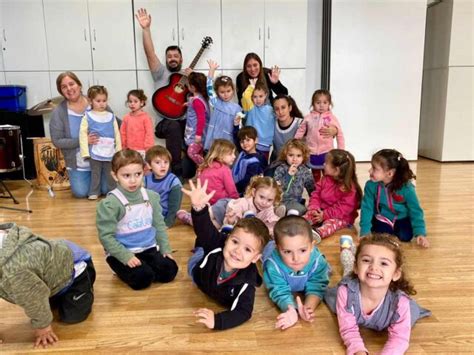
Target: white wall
[
  {"x": 446, "y": 127},
  {"x": 313, "y": 52},
  {"x": 376, "y": 73}
]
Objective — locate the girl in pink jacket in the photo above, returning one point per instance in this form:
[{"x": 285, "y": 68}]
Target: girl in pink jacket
[
  {"x": 319, "y": 118},
  {"x": 334, "y": 203},
  {"x": 261, "y": 196},
  {"x": 136, "y": 130}
]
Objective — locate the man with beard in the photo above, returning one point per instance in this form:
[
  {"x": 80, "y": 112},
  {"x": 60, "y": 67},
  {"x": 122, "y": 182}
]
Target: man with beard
[{"x": 171, "y": 130}]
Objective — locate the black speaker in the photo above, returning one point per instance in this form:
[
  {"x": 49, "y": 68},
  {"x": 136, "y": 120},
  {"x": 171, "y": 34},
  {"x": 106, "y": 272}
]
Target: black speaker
[{"x": 30, "y": 126}]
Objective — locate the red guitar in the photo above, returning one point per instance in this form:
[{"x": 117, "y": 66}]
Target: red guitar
[{"x": 169, "y": 100}]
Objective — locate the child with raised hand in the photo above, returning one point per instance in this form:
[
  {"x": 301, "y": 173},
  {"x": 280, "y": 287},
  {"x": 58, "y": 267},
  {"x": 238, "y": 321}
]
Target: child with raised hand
[
  {"x": 103, "y": 124},
  {"x": 291, "y": 263},
  {"x": 136, "y": 129},
  {"x": 131, "y": 227},
  {"x": 224, "y": 267},
  {"x": 164, "y": 182},
  {"x": 39, "y": 274},
  {"x": 260, "y": 115},
  {"x": 221, "y": 122},
  {"x": 216, "y": 171},
  {"x": 313, "y": 127},
  {"x": 249, "y": 162},
  {"x": 334, "y": 203},
  {"x": 376, "y": 296},
  {"x": 390, "y": 204},
  {"x": 262, "y": 195},
  {"x": 294, "y": 176},
  {"x": 197, "y": 117}
]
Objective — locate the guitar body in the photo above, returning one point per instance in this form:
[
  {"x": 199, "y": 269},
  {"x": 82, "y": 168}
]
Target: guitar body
[{"x": 169, "y": 100}]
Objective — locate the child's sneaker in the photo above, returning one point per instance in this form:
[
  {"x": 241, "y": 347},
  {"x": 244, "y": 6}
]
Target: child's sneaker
[
  {"x": 184, "y": 217},
  {"x": 92, "y": 197},
  {"x": 227, "y": 228},
  {"x": 249, "y": 214},
  {"x": 292, "y": 212},
  {"x": 347, "y": 254},
  {"x": 346, "y": 242},
  {"x": 316, "y": 236},
  {"x": 280, "y": 211}
]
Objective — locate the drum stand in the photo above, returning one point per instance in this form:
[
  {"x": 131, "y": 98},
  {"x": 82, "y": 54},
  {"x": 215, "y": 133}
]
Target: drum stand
[{"x": 5, "y": 188}]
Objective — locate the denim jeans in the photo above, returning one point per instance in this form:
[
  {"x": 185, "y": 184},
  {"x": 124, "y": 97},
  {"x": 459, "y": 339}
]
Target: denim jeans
[{"x": 80, "y": 183}]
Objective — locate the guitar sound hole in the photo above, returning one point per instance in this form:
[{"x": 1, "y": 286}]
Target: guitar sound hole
[{"x": 178, "y": 88}]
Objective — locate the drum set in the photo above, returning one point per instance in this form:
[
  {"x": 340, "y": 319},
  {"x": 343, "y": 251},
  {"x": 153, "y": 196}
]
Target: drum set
[{"x": 49, "y": 161}]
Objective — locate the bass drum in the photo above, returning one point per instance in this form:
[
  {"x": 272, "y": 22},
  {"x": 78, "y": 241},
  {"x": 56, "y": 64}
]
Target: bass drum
[
  {"x": 9, "y": 148},
  {"x": 50, "y": 166}
]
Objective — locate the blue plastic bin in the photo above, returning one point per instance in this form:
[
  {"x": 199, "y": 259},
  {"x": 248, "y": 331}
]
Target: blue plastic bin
[{"x": 13, "y": 98}]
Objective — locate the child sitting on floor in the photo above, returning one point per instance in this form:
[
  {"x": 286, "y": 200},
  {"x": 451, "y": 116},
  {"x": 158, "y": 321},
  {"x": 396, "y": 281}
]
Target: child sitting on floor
[{"x": 164, "y": 182}]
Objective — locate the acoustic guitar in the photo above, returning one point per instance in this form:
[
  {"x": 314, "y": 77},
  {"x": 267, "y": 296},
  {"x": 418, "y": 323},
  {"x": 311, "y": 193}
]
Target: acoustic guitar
[{"x": 169, "y": 100}]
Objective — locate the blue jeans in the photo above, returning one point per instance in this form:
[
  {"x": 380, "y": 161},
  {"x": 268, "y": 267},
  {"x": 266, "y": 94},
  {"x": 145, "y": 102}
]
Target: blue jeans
[
  {"x": 402, "y": 228},
  {"x": 81, "y": 181},
  {"x": 197, "y": 257}
]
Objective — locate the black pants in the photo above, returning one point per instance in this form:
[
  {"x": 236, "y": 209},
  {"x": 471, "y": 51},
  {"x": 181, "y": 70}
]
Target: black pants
[
  {"x": 154, "y": 268},
  {"x": 172, "y": 131},
  {"x": 75, "y": 304}
]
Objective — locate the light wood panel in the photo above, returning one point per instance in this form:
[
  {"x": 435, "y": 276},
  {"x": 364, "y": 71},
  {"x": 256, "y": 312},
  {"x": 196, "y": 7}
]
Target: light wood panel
[{"x": 160, "y": 318}]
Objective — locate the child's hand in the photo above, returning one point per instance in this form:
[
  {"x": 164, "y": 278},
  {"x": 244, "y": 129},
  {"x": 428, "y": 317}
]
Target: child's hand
[
  {"x": 198, "y": 195},
  {"x": 292, "y": 170},
  {"x": 253, "y": 81},
  {"x": 287, "y": 319},
  {"x": 328, "y": 131},
  {"x": 45, "y": 337},
  {"x": 230, "y": 216},
  {"x": 422, "y": 241},
  {"x": 92, "y": 138},
  {"x": 212, "y": 64},
  {"x": 318, "y": 216},
  {"x": 134, "y": 262},
  {"x": 274, "y": 74},
  {"x": 306, "y": 313},
  {"x": 205, "y": 316},
  {"x": 168, "y": 255},
  {"x": 143, "y": 18},
  {"x": 197, "y": 139}
]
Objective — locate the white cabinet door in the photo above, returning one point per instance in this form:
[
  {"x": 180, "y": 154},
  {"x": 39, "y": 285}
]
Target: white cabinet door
[
  {"x": 295, "y": 81},
  {"x": 285, "y": 33},
  {"x": 37, "y": 85},
  {"x": 196, "y": 21},
  {"x": 24, "y": 39},
  {"x": 111, "y": 24},
  {"x": 164, "y": 28},
  {"x": 242, "y": 31},
  {"x": 118, "y": 84},
  {"x": 69, "y": 46},
  {"x": 2, "y": 78}
]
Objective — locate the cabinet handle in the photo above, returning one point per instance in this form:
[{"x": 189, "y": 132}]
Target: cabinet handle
[
  {"x": 259, "y": 33},
  {"x": 182, "y": 34},
  {"x": 4, "y": 35},
  {"x": 95, "y": 39},
  {"x": 268, "y": 32},
  {"x": 85, "y": 35},
  {"x": 172, "y": 32}
]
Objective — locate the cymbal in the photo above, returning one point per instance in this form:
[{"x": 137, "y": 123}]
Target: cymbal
[{"x": 45, "y": 106}]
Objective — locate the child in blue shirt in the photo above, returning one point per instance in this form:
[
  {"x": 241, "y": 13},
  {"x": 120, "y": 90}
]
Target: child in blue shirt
[
  {"x": 249, "y": 162},
  {"x": 291, "y": 263},
  {"x": 164, "y": 182},
  {"x": 260, "y": 115}
]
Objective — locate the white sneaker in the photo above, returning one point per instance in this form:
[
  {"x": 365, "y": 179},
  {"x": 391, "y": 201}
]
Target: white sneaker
[
  {"x": 292, "y": 212},
  {"x": 316, "y": 236},
  {"x": 92, "y": 197}
]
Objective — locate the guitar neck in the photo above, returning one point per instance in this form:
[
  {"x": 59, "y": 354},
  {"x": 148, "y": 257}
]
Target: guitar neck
[{"x": 196, "y": 58}]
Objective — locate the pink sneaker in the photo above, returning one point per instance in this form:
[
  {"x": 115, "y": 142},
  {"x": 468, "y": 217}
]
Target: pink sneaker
[{"x": 184, "y": 217}]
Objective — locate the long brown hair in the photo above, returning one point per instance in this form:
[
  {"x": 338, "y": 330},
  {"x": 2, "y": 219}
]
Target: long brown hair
[
  {"x": 245, "y": 77},
  {"x": 347, "y": 177},
  {"x": 295, "y": 111},
  {"x": 390, "y": 242},
  {"x": 198, "y": 80}
]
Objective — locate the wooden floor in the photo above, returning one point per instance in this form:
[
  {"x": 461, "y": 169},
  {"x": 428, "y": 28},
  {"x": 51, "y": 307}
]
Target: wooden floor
[{"x": 160, "y": 318}]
